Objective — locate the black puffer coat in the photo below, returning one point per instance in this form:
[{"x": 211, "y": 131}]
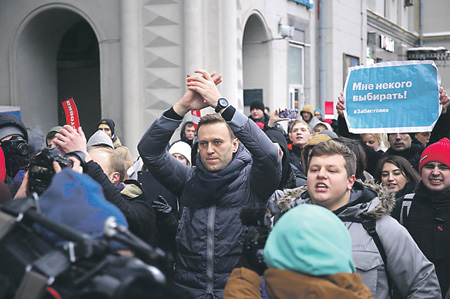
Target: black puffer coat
[{"x": 210, "y": 234}]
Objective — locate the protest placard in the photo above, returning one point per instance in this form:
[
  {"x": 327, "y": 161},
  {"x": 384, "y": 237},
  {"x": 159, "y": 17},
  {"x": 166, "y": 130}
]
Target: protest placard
[{"x": 392, "y": 97}]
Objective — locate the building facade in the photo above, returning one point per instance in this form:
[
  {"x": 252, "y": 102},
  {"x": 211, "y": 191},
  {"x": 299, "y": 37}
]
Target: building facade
[{"x": 128, "y": 59}]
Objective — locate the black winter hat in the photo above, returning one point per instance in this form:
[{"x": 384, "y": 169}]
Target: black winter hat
[
  {"x": 257, "y": 105},
  {"x": 110, "y": 123},
  {"x": 11, "y": 124}
]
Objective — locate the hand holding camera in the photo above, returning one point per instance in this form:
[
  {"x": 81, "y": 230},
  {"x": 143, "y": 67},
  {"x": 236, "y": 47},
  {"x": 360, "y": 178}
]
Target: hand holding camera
[{"x": 281, "y": 114}]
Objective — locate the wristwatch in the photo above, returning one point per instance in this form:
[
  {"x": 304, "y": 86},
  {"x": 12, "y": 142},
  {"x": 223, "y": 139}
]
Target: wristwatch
[{"x": 221, "y": 103}]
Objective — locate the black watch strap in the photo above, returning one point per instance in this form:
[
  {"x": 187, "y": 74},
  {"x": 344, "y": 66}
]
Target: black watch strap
[{"x": 221, "y": 103}]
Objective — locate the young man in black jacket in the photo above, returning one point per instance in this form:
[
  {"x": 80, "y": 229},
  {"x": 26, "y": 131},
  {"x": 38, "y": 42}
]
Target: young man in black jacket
[{"x": 429, "y": 213}]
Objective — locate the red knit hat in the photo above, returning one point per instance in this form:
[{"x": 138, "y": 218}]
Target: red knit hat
[
  {"x": 437, "y": 152},
  {"x": 2, "y": 166}
]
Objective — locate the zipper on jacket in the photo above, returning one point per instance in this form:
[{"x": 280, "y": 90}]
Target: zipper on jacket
[{"x": 210, "y": 250}]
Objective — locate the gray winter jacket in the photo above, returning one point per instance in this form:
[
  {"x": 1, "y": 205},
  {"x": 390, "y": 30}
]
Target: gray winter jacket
[
  {"x": 413, "y": 274},
  {"x": 210, "y": 234}
]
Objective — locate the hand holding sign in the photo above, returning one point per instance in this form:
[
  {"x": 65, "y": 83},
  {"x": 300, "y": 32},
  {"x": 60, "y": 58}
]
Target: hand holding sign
[
  {"x": 340, "y": 105},
  {"x": 444, "y": 99},
  {"x": 69, "y": 140}
]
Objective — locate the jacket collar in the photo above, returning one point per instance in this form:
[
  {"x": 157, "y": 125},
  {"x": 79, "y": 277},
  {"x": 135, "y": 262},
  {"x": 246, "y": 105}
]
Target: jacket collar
[{"x": 366, "y": 198}]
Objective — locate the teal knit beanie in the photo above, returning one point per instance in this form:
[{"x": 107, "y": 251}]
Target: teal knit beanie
[{"x": 311, "y": 240}]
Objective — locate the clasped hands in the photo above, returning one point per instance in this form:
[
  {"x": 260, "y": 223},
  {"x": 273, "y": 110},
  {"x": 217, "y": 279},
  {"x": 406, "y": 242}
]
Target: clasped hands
[{"x": 202, "y": 92}]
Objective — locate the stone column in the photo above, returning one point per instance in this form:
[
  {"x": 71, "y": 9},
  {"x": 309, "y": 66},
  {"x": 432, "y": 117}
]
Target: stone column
[
  {"x": 228, "y": 50},
  {"x": 131, "y": 80},
  {"x": 194, "y": 33}
]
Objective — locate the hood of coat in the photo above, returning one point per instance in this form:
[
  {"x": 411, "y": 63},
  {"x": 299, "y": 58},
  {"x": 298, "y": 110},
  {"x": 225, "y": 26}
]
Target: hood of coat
[
  {"x": 366, "y": 198},
  {"x": 182, "y": 131}
]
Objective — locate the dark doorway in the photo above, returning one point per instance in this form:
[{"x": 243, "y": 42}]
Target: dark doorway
[{"x": 78, "y": 75}]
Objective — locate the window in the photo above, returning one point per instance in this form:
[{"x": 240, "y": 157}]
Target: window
[
  {"x": 349, "y": 61},
  {"x": 296, "y": 76}
]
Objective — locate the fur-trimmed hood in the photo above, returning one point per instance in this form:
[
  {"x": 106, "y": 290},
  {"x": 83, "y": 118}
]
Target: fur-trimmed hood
[{"x": 369, "y": 199}]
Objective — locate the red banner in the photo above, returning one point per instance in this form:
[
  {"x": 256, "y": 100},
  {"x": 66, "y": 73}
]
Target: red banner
[
  {"x": 71, "y": 113},
  {"x": 329, "y": 111},
  {"x": 196, "y": 115}
]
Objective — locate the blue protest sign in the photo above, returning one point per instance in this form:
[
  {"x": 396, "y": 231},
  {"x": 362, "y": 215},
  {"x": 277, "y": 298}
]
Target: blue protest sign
[{"x": 392, "y": 97}]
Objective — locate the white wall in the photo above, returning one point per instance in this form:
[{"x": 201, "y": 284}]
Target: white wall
[
  {"x": 436, "y": 26},
  {"x": 347, "y": 35}
]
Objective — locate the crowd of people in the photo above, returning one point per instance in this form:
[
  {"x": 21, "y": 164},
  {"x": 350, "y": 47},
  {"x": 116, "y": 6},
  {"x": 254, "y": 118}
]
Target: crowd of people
[{"x": 249, "y": 210}]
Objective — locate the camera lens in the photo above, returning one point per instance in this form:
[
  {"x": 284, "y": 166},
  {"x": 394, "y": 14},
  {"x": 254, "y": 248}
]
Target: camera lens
[{"x": 22, "y": 148}]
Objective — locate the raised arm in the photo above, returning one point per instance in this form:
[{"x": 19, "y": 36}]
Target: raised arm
[
  {"x": 152, "y": 147},
  {"x": 442, "y": 126},
  {"x": 342, "y": 124},
  {"x": 266, "y": 168}
]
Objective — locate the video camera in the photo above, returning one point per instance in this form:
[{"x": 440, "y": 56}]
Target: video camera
[
  {"x": 253, "y": 250},
  {"x": 31, "y": 267},
  {"x": 16, "y": 153}
]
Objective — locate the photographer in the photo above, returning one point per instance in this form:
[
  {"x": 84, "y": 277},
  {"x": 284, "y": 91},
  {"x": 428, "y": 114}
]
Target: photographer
[
  {"x": 14, "y": 142},
  {"x": 107, "y": 169}
]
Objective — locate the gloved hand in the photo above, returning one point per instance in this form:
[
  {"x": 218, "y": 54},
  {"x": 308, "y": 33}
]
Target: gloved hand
[
  {"x": 164, "y": 215},
  {"x": 160, "y": 205}
]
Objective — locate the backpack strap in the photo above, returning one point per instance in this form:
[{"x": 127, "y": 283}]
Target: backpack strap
[
  {"x": 370, "y": 225},
  {"x": 406, "y": 206}
]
